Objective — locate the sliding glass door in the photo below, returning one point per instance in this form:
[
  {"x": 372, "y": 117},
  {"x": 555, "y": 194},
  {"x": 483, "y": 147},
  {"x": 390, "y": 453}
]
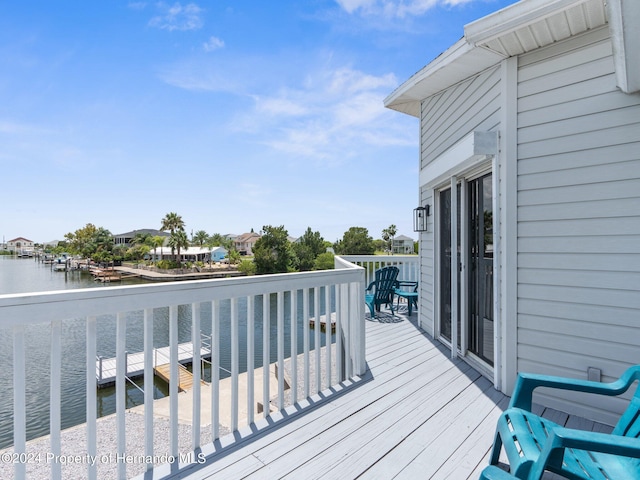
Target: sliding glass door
[{"x": 466, "y": 280}]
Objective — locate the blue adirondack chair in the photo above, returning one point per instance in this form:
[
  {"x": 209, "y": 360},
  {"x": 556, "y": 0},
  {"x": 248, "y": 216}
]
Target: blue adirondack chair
[
  {"x": 382, "y": 289},
  {"x": 534, "y": 444}
]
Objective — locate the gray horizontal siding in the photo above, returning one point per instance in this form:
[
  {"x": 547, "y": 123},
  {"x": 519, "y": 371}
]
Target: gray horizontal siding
[
  {"x": 578, "y": 216},
  {"x": 447, "y": 117}
]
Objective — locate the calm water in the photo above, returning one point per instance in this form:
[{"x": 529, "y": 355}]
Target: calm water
[{"x": 28, "y": 275}]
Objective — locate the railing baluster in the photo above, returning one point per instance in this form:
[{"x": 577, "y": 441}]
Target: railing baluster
[
  {"x": 195, "y": 367},
  {"x": 54, "y": 395},
  {"x": 266, "y": 327},
  {"x": 148, "y": 385},
  {"x": 317, "y": 337},
  {"x": 349, "y": 329},
  {"x": 339, "y": 310},
  {"x": 215, "y": 370},
  {"x": 121, "y": 392},
  {"x": 294, "y": 347},
  {"x": 327, "y": 334},
  {"x": 91, "y": 393},
  {"x": 280, "y": 341},
  {"x": 19, "y": 400},
  {"x": 250, "y": 357},
  {"x": 235, "y": 348},
  {"x": 305, "y": 335},
  {"x": 173, "y": 380}
]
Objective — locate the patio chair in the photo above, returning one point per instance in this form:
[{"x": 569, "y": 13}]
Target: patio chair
[
  {"x": 382, "y": 289},
  {"x": 408, "y": 291},
  {"x": 534, "y": 444}
]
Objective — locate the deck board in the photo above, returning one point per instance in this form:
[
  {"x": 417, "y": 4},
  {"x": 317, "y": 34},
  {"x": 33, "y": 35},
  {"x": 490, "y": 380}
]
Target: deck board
[{"x": 416, "y": 413}]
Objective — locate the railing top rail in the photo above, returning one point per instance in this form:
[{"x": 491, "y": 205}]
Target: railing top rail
[
  {"x": 381, "y": 258},
  {"x": 30, "y": 308}
]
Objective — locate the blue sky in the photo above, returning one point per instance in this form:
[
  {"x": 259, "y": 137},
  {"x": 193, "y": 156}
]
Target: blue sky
[{"x": 234, "y": 114}]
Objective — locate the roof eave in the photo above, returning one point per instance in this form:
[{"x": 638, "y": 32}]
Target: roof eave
[{"x": 458, "y": 62}]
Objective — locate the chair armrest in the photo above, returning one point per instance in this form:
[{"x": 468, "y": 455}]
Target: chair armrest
[
  {"x": 595, "y": 442},
  {"x": 370, "y": 286},
  {"x": 495, "y": 473},
  {"x": 562, "y": 438},
  {"x": 528, "y": 382}
]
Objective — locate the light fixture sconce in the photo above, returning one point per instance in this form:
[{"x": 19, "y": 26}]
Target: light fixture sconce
[{"x": 420, "y": 215}]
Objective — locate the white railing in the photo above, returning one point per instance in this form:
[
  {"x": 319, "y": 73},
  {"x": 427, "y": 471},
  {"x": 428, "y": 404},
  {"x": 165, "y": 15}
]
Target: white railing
[
  {"x": 335, "y": 294},
  {"x": 409, "y": 265}
]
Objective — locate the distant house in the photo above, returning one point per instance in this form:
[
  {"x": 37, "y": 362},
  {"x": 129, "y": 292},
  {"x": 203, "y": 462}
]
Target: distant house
[
  {"x": 244, "y": 243},
  {"x": 191, "y": 254},
  {"x": 402, "y": 244},
  {"x": 125, "y": 238},
  {"x": 20, "y": 245},
  {"x": 530, "y": 162}
]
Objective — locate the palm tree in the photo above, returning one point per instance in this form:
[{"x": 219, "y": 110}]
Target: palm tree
[
  {"x": 172, "y": 222},
  {"x": 388, "y": 235},
  {"x": 156, "y": 241},
  {"x": 178, "y": 240},
  {"x": 200, "y": 238}
]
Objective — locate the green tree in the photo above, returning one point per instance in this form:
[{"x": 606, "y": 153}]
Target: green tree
[
  {"x": 91, "y": 242},
  {"x": 388, "y": 234},
  {"x": 272, "y": 252},
  {"x": 325, "y": 261},
  {"x": 140, "y": 239},
  {"x": 200, "y": 238},
  {"x": 307, "y": 249},
  {"x": 355, "y": 241}
]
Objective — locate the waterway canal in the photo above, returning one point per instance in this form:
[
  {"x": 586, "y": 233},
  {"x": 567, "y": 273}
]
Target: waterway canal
[{"x": 29, "y": 275}]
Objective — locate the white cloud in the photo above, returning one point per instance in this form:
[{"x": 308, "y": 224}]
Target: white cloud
[
  {"x": 394, "y": 8},
  {"x": 178, "y": 17},
  {"x": 214, "y": 43},
  {"x": 332, "y": 117}
]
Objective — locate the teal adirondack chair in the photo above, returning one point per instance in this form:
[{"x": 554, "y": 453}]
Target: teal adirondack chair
[
  {"x": 534, "y": 444},
  {"x": 382, "y": 289}
]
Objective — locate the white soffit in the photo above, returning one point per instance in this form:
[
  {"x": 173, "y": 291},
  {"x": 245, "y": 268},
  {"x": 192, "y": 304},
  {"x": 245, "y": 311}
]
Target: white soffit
[
  {"x": 526, "y": 26},
  {"x": 516, "y": 29}
]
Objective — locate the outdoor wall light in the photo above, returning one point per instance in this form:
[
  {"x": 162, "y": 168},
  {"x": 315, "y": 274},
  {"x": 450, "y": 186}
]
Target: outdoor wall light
[{"x": 420, "y": 215}]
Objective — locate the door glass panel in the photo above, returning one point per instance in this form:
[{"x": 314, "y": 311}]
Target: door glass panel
[
  {"x": 445, "y": 262},
  {"x": 480, "y": 298}
]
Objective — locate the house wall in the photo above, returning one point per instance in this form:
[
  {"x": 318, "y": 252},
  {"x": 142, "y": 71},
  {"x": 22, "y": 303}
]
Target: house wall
[
  {"x": 446, "y": 118},
  {"x": 578, "y": 216}
]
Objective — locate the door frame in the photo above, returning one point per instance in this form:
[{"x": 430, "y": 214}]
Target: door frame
[{"x": 472, "y": 157}]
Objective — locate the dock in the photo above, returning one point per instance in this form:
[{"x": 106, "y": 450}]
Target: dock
[
  {"x": 106, "y": 367},
  {"x": 185, "y": 377},
  {"x": 323, "y": 323}
]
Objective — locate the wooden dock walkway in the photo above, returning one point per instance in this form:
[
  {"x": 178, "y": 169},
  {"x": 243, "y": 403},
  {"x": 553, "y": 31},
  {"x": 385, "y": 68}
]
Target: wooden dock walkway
[
  {"x": 185, "y": 377},
  {"x": 106, "y": 367}
]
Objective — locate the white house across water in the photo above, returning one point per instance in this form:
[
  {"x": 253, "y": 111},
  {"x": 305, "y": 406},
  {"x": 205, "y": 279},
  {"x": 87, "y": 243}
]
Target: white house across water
[{"x": 530, "y": 165}]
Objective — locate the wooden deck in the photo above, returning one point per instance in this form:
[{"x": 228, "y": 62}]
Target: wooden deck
[{"x": 415, "y": 414}]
